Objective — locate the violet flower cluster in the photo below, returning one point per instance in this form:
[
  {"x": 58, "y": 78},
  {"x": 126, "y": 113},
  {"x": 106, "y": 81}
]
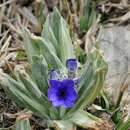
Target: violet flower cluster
[{"x": 62, "y": 88}]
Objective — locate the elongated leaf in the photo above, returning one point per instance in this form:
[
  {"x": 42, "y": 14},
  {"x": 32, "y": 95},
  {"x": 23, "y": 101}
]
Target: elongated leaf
[
  {"x": 39, "y": 97},
  {"x": 55, "y": 23},
  {"x": 65, "y": 42},
  {"x": 30, "y": 85},
  {"x": 48, "y": 35},
  {"x": 98, "y": 72},
  {"x": 31, "y": 49},
  {"x": 24, "y": 98},
  {"x": 88, "y": 17},
  {"x": 23, "y": 124},
  {"x": 40, "y": 73},
  {"x": 55, "y": 42},
  {"x": 62, "y": 35},
  {"x": 123, "y": 125},
  {"x": 86, "y": 120},
  {"x": 27, "y": 94},
  {"x": 51, "y": 58},
  {"x": 26, "y": 85},
  {"x": 12, "y": 95},
  {"x": 31, "y": 104},
  {"x": 35, "y": 45}
]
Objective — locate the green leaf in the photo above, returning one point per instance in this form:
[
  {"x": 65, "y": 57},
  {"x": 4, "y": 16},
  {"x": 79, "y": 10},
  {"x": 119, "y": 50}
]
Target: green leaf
[
  {"x": 25, "y": 98},
  {"x": 26, "y": 94},
  {"x": 33, "y": 90},
  {"x": 62, "y": 35},
  {"x": 29, "y": 84},
  {"x": 56, "y": 32},
  {"x": 51, "y": 58},
  {"x": 54, "y": 44},
  {"x": 21, "y": 55},
  {"x": 55, "y": 23},
  {"x": 31, "y": 103},
  {"x": 23, "y": 124},
  {"x": 40, "y": 73},
  {"x": 48, "y": 35},
  {"x": 123, "y": 125},
  {"x": 104, "y": 100},
  {"x": 65, "y": 42},
  {"x": 88, "y": 17},
  {"x": 80, "y": 53},
  {"x": 31, "y": 49},
  {"x": 84, "y": 23},
  {"x": 86, "y": 120},
  {"x": 117, "y": 116},
  {"x": 36, "y": 46}
]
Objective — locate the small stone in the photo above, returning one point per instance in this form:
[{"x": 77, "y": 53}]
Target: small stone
[{"x": 115, "y": 43}]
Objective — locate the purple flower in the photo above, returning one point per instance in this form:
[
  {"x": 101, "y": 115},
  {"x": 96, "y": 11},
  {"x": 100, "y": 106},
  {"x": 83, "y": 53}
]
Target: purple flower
[
  {"x": 71, "y": 64},
  {"x": 62, "y": 93},
  {"x": 54, "y": 74}
]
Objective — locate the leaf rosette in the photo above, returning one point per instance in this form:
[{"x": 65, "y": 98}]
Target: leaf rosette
[{"x": 55, "y": 87}]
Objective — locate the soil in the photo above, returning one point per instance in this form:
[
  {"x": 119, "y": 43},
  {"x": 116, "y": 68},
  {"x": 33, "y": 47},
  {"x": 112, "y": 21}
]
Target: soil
[{"x": 6, "y": 106}]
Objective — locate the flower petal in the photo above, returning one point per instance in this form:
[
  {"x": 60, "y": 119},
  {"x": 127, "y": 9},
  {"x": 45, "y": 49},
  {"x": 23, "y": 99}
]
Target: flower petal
[
  {"x": 72, "y": 94},
  {"x": 71, "y": 64},
  {"x": 67, "y": 83},
  {"x": 57, "y": 103},
  {"x": 52, "y": 94},
  {"x": 68, "y": 104},
  {"x": 55, "y": 83}
]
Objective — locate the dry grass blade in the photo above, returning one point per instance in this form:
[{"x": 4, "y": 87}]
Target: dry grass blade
[
  {"x": 120, "y": 5},
  {"x": 6, "y": 45},
  {"x": 28, "y": 15},
  {"x": 90, "y": 36},
  {"x": 6, "y": 3},
  {"x": 2, "y": 10},
  {"x": 121, "y": 19},
  {"x": 3, "y": 38}
]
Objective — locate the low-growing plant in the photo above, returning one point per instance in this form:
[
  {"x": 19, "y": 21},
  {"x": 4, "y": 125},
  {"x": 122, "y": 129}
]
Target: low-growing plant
[
  {"x": 56, "y": 87},
  {"x": 88, "y": 16}
]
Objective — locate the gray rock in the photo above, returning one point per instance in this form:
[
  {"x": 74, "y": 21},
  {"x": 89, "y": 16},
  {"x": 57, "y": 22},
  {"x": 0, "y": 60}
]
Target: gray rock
[{"x": 115, "y": 43}]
